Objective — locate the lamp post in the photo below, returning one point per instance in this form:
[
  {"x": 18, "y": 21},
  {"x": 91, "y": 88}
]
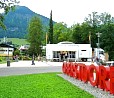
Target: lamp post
[{"x": 98, "y": 44}]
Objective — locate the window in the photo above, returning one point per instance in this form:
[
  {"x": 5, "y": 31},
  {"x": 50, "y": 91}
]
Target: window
[{"x": 83, "y": 50}]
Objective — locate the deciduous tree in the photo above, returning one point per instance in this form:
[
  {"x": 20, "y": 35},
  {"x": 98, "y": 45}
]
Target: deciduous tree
[
  {"x": 35, "y": 35},
  {"x": 107, "y": 39},
  {"x": 61, "y": 32},
  {"x": 6, "y": 5}
]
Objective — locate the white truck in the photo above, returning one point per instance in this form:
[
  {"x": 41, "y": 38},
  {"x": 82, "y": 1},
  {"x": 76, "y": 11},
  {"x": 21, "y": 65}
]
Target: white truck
[
  {"x": 85, "y": 54},
  {"x": 99, "y": 54},
  {"x": 75, "y": 52}
]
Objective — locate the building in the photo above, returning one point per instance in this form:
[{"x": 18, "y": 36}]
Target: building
[{"x": 6, "y": 49}]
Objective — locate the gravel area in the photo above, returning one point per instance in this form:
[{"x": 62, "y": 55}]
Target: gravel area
[{"x": 98, "y": 93}]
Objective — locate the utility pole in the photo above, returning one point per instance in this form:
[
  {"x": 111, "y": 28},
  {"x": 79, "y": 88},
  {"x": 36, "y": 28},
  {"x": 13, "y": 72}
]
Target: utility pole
[
  {"x": 90, "y": 38},
  {"x": 98, "y": 44},
  {"x": 46, "y": 37}
]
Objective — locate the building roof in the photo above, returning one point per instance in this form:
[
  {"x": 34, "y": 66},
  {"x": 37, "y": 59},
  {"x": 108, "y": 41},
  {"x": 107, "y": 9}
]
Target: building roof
[
  {"x": 24, "y": 47},
  {"x": 65, "y": 42},
  {"x": 6, "y": 45}
]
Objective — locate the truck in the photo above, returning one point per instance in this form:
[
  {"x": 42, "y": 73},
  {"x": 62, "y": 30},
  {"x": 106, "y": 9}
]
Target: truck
[
  {"x": 85, "y": 54},
  {"x": 99, "y": 54},
  {"x": 68, "y": 51}
]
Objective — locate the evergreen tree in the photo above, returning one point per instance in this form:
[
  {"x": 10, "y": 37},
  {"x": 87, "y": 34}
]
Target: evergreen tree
[{"x": 50, "y": 40}]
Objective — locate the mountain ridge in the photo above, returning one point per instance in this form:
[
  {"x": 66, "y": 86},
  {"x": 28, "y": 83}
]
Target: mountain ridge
[{"x": 17, "y": 22}]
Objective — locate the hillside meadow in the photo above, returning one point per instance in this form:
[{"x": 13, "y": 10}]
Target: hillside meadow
[{"x": 17, "y": 41}]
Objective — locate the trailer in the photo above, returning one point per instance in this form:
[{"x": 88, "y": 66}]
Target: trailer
[
  {"x": 68, "y": 51},
  {"x": 85, "y": 52}
]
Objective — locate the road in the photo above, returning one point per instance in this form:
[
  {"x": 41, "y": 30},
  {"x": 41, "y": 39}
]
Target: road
[
  {"x": 25, "y": 67},
  {"x": 28, "y": 70}
]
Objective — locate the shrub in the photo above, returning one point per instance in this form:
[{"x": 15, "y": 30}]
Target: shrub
[
  {"x": 0, "y": 59},
  {"x": 26, "y": 58}
]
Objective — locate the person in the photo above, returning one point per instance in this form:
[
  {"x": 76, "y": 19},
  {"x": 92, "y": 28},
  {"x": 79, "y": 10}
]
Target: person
[
  {"x": 13, "y": 57},
  {"x": 33, "y": 60},
  {"x": 66, "y": 55},
  {"x": 62, "y": 54},
  {"x": 97, "y": 60},
  {"x": 16, "y": 58},
  {"x": 39, "y": 58}
]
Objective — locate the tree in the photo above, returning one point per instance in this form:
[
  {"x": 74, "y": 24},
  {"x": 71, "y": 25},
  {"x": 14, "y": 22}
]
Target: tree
[
  {"x": 80, "y": 33},
  {"x": 50, "y": 40},
  {"x": 6, "y": 5},
  {"x": 94, "y": 21},
  {"x": 35, "y": 35},
  {"x": 61, "y": 32},
  {"x": 106, "y": 18},
  {"x": 76, "y": 36},
  {"x": 85, "y": 32},
  {"x": 97, "y": 22},
  {"x": 16, "y": 52},
  {"x": 107, "y": 39}
]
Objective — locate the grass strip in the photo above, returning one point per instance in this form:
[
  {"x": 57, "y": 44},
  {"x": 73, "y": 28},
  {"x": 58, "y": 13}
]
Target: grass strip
[{"x": 46, "y": 85}]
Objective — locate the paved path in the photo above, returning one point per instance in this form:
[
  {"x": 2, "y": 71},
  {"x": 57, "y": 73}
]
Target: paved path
[
  {"x": 25, "y": 67},
  {"x": 29, "y": 64}
]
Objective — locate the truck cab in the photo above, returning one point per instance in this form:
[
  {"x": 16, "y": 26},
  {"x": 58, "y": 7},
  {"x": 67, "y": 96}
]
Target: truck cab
[{"x": 99, "y": 54}]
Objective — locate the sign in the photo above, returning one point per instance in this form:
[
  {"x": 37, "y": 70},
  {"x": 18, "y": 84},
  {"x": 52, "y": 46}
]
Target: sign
[{"x": 100, "y": 76}]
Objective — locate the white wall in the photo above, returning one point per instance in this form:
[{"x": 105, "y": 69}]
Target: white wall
[{"x": 4, "y": 51}]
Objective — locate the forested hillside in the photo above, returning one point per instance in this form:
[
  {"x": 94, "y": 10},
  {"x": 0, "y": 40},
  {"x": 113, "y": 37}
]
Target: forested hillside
[{"x": 17, "y": 22}]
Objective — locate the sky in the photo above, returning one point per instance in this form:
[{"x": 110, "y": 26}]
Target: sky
[{"x": 69, "y": 11}]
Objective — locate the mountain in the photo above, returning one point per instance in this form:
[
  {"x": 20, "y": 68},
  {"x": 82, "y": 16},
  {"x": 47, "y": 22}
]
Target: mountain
[{"x": 17, "y": 22}]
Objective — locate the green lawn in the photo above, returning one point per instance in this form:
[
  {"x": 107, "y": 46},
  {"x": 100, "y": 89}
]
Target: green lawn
[{"x": 47, "y": 85}]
